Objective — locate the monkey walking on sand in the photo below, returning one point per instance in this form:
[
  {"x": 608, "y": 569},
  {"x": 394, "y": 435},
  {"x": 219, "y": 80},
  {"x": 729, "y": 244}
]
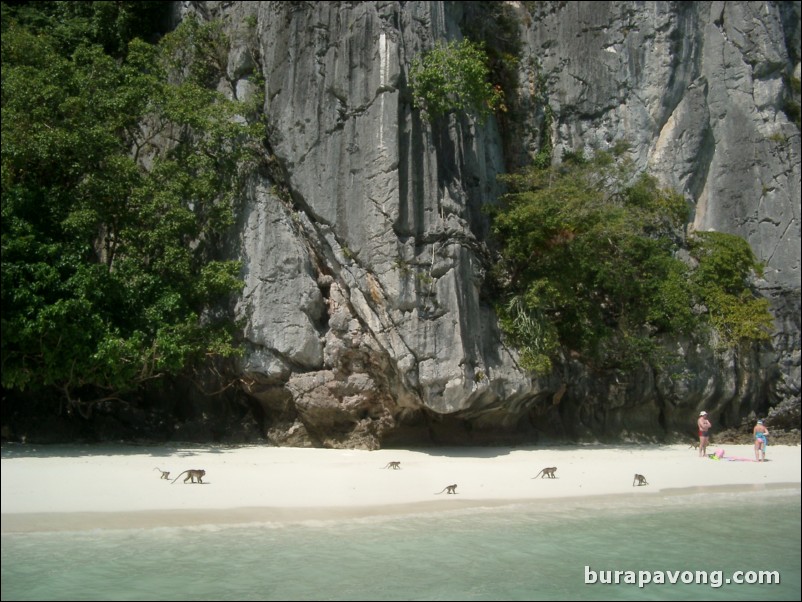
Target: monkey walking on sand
[
  {"x": 394, "y": 465},
  {"x": 448, "y": 489},
  {"x": 547, "y": 472},
  {"x": 165, "y": 473},
  {"x": 192, "y": 474},
  {"x": 640, "y": 479}
]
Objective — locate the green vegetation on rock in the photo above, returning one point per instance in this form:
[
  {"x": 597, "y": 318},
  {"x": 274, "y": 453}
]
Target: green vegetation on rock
[
  {"x": 454, "y": 77},
  {"x": 119, "y": 177},
  {"x": 590, "y": 265}
]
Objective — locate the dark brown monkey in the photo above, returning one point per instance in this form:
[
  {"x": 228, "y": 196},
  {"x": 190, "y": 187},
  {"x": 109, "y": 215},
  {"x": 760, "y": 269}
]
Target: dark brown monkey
[
  {"x": 165, "y": 473},
  {"x": 547, "y": 472},
  {"x": 394, "y": 465},
  {"x": 192, "y": 474},
  {"x": 448, "y": 489},
  {"x": 641, "y": 480}
]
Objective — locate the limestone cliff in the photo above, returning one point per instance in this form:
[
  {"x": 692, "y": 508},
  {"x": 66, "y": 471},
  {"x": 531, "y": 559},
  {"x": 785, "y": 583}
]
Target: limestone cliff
[{"x": 363, "y": 237}]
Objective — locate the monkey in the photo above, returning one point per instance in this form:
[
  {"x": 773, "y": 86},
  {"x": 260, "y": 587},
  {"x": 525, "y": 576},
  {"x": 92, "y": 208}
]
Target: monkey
[
  {"x": 547, "y": 472},
  {"x": 394, "y": 465},
  {"x": 448, "y": 489},
  {"x": 165, "y": 473},
  {"x": 192, "y": 474},
  {"x": 640, "y": 479}
]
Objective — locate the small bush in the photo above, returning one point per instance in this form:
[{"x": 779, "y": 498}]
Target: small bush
[{"x": 454, "y": 77}]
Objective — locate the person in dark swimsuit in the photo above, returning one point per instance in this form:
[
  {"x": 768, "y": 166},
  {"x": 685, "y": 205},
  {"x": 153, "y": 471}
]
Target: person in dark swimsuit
[{"x": 704, "y": 433}]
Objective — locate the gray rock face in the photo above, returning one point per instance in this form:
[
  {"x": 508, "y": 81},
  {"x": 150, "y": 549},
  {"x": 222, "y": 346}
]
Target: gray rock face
[
  {"x": 700, "y": 90},
  {"x": 363, "y": 239},
  {"x": 697, "y": 89}
]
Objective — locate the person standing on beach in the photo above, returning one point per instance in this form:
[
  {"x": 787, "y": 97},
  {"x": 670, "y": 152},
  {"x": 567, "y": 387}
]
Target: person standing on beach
[
  {"x": 761, "y": 434},
  {"x": 704, "y": 433}
]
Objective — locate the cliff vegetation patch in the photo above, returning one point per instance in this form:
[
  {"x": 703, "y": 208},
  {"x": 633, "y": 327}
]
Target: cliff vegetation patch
[
  {"x": 594, "y": 263},
  {"x": 455, "y": 77}
]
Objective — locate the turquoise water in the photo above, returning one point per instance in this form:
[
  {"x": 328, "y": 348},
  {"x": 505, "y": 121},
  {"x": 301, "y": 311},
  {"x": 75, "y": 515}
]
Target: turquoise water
[{"x": 519, "y": 552}]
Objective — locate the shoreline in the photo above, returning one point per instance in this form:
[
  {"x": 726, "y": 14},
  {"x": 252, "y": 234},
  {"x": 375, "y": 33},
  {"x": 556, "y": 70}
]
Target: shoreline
[
  {"x": 20, "y": 523},
  {"x": 75, "y": 488}
]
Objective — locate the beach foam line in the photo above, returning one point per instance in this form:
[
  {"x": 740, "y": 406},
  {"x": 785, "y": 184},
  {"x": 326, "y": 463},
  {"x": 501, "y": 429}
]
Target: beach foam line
[{"x": 283, "y": 516}]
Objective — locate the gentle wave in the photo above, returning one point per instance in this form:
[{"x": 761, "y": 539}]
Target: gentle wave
[{"x": 518, "y": 551}]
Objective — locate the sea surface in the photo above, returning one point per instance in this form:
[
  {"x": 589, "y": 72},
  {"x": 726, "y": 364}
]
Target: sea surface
[{"x": 530, "y": 551}]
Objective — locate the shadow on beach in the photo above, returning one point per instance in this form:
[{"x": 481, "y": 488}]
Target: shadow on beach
[
  {"x": 11, "y": 451},
  {"x": 494, "y": 452},
  {"x": 174, "y": 450}
]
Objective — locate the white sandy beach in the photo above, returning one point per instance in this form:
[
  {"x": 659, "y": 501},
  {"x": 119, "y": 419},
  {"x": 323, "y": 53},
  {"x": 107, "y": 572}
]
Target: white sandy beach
[{"x": 78, "y": 487}]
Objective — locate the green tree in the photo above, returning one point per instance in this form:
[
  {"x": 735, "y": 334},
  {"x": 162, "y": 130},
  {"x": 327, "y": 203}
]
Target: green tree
[
  {"x": 454, "y": 77},
  {"x": 589, "y": 263},
  {"x": 109, "y": 24},
  {"x": 119, "y": 178},
  {"x": 721, "y": 282}
]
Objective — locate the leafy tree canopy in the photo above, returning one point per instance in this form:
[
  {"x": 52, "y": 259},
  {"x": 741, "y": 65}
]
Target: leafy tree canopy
[
  {"x": 119, "y": 178},
  {"x": 71, "y": 23},
  {"x": 455, "y": 77},
  {"x": 590, "y": 265}
]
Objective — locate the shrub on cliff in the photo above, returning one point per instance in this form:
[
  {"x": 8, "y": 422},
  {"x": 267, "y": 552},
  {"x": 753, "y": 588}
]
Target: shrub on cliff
[
  {"x": 590, "y": 264},
  {"x": 454, "y": 77}
]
